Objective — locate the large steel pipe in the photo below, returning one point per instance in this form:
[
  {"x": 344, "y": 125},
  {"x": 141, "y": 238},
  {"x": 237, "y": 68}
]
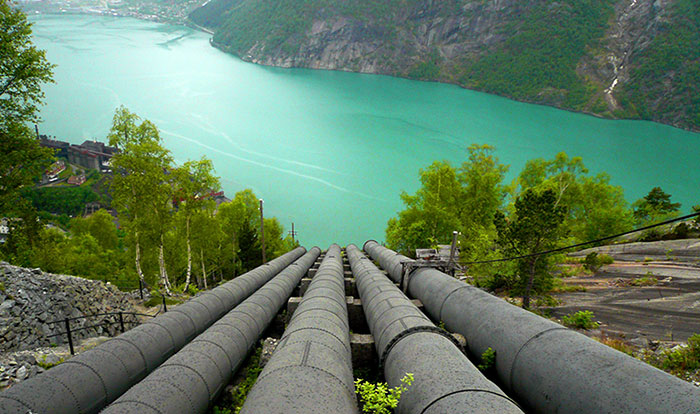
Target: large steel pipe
[
  {"x": 445, "y": 381},
  {"x": 311, "y": 369},
  {"x": 549, "y": 368},
  {"x": 190, "y": 380},
  {"x": 89, "y": 381}
]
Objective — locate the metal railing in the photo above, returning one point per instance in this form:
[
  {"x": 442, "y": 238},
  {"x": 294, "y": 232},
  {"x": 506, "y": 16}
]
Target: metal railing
[{"x": 122, "y": 323}]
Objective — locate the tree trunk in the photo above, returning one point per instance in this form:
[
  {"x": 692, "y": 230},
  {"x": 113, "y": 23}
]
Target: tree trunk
[
  {"x": 204, "y": 271},
  {"x": 163, "y": 273},
  {"x": 530, "y": 283},
  {"x": 137, "y": 259},
  {"x": 189, "y": 256}
]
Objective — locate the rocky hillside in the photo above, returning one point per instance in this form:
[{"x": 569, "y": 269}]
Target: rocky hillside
[
  {"x": 30, "y": 299},
  {"x": 614, "y": 58}
]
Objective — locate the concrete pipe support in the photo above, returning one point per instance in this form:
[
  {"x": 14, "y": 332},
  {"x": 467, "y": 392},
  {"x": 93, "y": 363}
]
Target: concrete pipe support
[
  {"x": 190, "y": 380},
  {"x": 549, "y": 368},
  {"x": 311, "y": 369},
  {"x": 445, "y": 381},
  {"x": 89, "y": 381}
]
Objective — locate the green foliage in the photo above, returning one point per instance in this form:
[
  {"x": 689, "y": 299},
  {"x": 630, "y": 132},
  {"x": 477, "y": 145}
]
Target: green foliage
[
  {"x": 558, "y": 286},
  {"x": 539, "y": 57},
  {"x": 646, "y": 280},
  {"x": 379, "y": 398},
  {"x": 23, "y": 69},
  {"x": 655, "y": 207},
  {"x": 580, "y": 320},
  {"x": 683, "y": 359},
  {"x": 250, "y": 375},
  {"x": 46, "y": 365},
  {"x": 595, "y": 261},
  {"x": 60, "y": 200},
  {"x": 451, "y": 199},
  {"x": 488, "y": 360},
  {"x": 595, "y": 208},
  {"x": 533, "y": 227},
  {"x": 674, "y": 56}
]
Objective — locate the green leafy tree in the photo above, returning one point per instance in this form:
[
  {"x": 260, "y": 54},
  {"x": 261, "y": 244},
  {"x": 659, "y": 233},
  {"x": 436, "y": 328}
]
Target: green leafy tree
[
  {"x": 534, "y": 226},
  {"x": 431, "y": 215},
  {"x": 194, "y": 181},
  {"x": 99, "y": 225},
  {"x": 654, "y": 207},
  {"x": 595, "y": 208},
  {"x": 23, "y": 69},
  {"x": 140, "y": 188}
]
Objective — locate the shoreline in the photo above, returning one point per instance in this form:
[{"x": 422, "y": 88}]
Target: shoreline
[{"x": 188, "y": 23}]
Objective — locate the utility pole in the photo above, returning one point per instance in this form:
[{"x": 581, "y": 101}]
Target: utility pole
[
  {"x": 293, "y": 233},
  {"x": 262, "y": 231}
]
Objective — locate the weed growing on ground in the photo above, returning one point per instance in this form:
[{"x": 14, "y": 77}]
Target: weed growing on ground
[
  {"x": 580, "y": 320},
  {"x": 647, "y": 280}
]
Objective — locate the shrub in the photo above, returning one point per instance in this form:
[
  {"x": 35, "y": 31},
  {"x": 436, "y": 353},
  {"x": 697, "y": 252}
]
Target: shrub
[
  {"x": 379, "y": 398},
  {"x": 595, "y": 261},
  {"x": 580, "y": 320},
  {"x": 488, "y": 360}
]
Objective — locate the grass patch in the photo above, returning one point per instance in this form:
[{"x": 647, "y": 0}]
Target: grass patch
[
  {"x": 646, "y": 280},
  {"x": 561, "y": 287}
]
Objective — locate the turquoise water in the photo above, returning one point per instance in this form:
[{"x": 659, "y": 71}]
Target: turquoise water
[{"x": 329, "y": 151}]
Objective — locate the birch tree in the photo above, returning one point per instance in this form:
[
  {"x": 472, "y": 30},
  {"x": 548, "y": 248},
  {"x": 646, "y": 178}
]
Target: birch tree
[
  {"x": 194, "y": 182},
  {"x": 139, "y": 185}
]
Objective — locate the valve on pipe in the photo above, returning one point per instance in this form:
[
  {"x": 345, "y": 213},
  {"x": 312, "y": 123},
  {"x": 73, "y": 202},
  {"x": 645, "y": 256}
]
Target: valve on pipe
[
  {"x": 189, "y": 381},
  {"x": 445, "y": 381},
  {"x": 549, "y": 368},
  {"x": 311, "y": 369},
  {"x": 89, "y": 381}
]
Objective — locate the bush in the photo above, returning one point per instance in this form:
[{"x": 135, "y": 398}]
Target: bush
[
  {"x": 683, "y": 359},
  {"x": 379, "y": 398},
  {"x": 580, "y": 320},
  {"x": 595, "y": 261}
]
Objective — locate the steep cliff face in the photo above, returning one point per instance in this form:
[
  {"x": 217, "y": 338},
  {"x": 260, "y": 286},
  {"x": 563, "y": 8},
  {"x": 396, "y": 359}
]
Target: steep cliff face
[{"x": 574, "y": 54}]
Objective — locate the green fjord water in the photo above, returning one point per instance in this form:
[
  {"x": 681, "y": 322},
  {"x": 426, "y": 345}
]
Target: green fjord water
[{"x": 329, "y": 151}]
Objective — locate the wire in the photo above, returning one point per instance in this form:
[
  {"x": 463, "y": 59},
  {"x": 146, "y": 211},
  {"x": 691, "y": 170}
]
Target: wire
[{"x": 561, "y": 249}]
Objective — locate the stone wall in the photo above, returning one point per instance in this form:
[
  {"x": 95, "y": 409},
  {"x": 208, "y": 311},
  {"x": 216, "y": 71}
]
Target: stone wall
[{"x": 30, "y": 299}]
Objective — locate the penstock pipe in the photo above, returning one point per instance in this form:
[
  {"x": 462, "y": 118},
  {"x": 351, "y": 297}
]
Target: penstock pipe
[
  {"x": 89, "y": 381},
  {"x": 549, "y": 368},
  {"x": 445, "y": 381}
]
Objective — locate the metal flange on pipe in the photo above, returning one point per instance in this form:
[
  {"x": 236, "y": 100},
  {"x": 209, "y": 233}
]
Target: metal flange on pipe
[
  {"x": 311, "y": 369},
  {"x": 190, "y": 380},
  {"x": 89, "y": 381},
  {"x": 445, "y": 381},
  {"x": 549, "y": 368}
]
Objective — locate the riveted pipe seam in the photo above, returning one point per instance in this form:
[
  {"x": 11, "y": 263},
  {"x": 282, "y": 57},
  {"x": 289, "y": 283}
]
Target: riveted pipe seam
[
  {"x": 442, "y": 397},
  {"x": 413, "y": 330}
]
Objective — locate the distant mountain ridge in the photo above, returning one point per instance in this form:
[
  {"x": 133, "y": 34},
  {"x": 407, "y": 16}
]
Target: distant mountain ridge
[{"x": 636, "y": 59}]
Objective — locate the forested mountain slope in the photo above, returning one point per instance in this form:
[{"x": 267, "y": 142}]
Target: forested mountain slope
[{"x": 614, "y": 58}]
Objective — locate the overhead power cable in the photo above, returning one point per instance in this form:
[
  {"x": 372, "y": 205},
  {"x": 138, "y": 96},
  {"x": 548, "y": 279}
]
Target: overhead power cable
[{"x": 561, "y": 249}]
